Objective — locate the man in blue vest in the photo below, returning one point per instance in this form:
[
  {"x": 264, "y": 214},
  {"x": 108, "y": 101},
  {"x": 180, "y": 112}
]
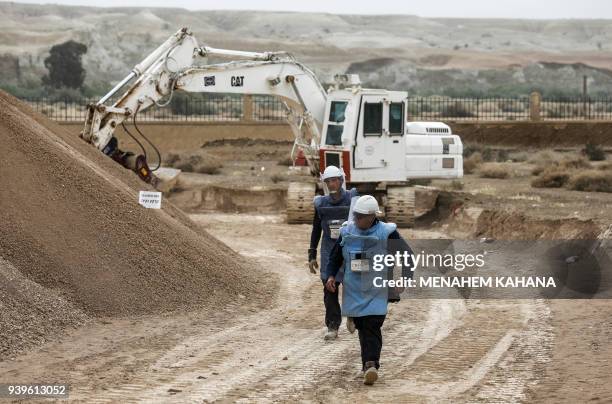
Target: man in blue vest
[
  {"x": 330, "y": 212},
  {"x": 364, "y": 296}
]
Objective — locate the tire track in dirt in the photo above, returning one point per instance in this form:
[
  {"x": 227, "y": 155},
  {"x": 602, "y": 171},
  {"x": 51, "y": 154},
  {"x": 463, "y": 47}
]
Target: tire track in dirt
[
  {"x": 435, "y": 350},
  {"x": 260, "y": 339},
  {"x": 494, "y": 367},
  {"x": 474, "y": 350}
]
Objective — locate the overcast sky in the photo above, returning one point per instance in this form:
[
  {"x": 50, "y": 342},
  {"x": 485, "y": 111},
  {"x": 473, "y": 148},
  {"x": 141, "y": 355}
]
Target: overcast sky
[{"x": 427, "y": 8}]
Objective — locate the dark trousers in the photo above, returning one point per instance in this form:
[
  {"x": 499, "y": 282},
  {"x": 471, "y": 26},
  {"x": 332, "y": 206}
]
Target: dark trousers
[
  {"x": 370, "y": 338},
  {"x": 333, "y": 316}
]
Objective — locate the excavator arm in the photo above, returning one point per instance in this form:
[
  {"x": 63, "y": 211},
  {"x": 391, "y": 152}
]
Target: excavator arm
[
  {"x": 174, "y": 67},
  {"x": 290, "y": 81}
]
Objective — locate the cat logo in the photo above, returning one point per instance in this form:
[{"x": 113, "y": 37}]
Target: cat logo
[
  {"x": 237, "y": 81},
  {"x": 209, "y": 81}
]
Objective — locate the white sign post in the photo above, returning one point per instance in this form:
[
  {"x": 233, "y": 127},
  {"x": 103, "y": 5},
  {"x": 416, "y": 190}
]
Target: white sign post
[{"x": 150, "y": 199}]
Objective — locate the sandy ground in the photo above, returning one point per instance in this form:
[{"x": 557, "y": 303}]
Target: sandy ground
[
  {"x": 435, "y": 350},
  {"x": 249, "y": 325},
  {"x": 253, "y": 166}
]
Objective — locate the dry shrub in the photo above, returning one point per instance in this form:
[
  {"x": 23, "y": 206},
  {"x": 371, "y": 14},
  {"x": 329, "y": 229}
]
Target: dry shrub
[
  {"x": 502, "y": 155},
  {"x": 487, "y": 153},
  {"x": 200, "y": 162},
  {"x": 472, "y": 162},
  {"x": 575, "y": 173},
  {"x": 184, "y": 165},
  {"x": 170, "y": 158},
  {"x": 518, "y": 157},
  {"x": 545, "y": 156},
  {"x": 551, "y": 178},
  {"x": 469, "y": 148},
  {"x": 606, "y": 166},
  {"x": 594, "y": 152},
  {"x": 206, "y": 168},
  {"x": 455, "y": 185},
  {"x": 591, "y": 181},
  {"x": 573, "y": 162},
  {"x": 539, "y": 169},
  {"x": 495, "y": 170},
  {"x": 278, "y": 178},
  {"x": 564, "y": 163}
]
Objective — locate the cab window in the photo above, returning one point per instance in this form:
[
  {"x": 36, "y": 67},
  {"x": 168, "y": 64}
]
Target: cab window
[
  {"x": 336, "y": 112},
  {"x": 396, "y": 118},
  {"x": 334, "y": 135},
  {"x": 372, "y": 118},
  {"x": 334, "y": 124}
]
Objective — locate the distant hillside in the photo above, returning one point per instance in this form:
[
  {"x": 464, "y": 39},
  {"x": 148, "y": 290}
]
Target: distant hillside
[{"x": 422, "y": 55}]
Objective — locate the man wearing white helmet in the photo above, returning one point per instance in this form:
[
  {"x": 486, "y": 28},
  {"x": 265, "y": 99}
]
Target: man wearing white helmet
[
  {"x": 331, "y": 210},
  {"x": 364, "y": 299}
]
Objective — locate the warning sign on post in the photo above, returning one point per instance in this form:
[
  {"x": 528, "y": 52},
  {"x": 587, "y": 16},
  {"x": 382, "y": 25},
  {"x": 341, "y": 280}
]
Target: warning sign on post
[{"x": 150, "y": 199}]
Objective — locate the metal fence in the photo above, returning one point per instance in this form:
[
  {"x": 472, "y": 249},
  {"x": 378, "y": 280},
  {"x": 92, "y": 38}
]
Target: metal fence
[
  {"x": 267, "y": 108},
  {"x": 187, "y": 109},
  {"x": 197, "y": 109},
  {"x": 468, "y": 109},
  {"x": 576, "y": 109},
  {"x": 509, "y": 109}
]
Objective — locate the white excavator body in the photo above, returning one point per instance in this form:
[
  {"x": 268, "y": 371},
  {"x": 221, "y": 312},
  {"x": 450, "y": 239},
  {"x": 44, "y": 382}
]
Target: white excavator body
[{"x": 365, "y": 132}]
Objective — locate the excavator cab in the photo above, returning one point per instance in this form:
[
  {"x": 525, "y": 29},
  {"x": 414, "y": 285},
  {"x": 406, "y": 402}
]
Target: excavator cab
[{"x": 365, "y": 132}]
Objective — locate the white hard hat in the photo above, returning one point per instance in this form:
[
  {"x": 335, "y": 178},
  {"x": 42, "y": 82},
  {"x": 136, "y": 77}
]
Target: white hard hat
[
  {"x": 331, "y": 172},
  {"x": 366, "y": 205}
]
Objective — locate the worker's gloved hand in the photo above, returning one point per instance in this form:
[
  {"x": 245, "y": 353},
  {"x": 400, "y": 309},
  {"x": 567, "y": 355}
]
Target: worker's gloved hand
[
  {"x": 395, "y": 294},
  {"x": 312, "y": 260},
  {"x": 331, "y": 284},
  {"x": 313, "y": 265}
]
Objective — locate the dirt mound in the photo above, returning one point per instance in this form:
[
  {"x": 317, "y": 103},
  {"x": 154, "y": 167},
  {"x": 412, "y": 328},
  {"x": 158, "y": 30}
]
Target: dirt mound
[
  {"x": 71, "y": 223},
  {"x": 245, "y": 149},
  {"x": 464, "y": 217},
  {"x": 535, "y": 134},
  {"x": 241, "y": 142},
  {"x": 197, "y": 162},
  {"x": 29, "y": 312},
  {"x": 516, "y": 226}
]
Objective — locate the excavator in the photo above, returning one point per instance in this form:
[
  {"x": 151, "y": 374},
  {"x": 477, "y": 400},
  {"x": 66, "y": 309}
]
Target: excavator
[{"x": 364, "y": 132}]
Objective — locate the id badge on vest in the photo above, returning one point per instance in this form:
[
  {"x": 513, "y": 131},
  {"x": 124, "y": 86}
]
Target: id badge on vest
[
  {"x": 359, "y": 262},
  {"x": 334, "y": 228}
]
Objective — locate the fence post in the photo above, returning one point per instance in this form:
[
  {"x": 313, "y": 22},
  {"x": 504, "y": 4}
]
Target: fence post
[
  {"x": 535, "y": 100},
  {"x": 247, "y": 107},
  {"x": 588, "y": 107}
]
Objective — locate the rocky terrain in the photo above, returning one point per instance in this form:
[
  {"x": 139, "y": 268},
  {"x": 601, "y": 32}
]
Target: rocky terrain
[{"x": 421, "y": 55}]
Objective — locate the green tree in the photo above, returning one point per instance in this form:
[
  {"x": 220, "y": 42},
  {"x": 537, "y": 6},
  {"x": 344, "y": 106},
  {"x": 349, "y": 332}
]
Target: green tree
[{"x": 64, "y": 65}]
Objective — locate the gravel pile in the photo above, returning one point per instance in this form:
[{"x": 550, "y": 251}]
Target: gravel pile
[{"x": 75, "y": 243}]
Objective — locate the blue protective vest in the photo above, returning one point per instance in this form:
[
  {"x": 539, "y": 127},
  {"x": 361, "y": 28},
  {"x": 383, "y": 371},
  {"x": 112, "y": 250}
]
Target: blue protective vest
[
  {"x": 360, "y": 296},
  {"x": 332, "y": 214}
]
